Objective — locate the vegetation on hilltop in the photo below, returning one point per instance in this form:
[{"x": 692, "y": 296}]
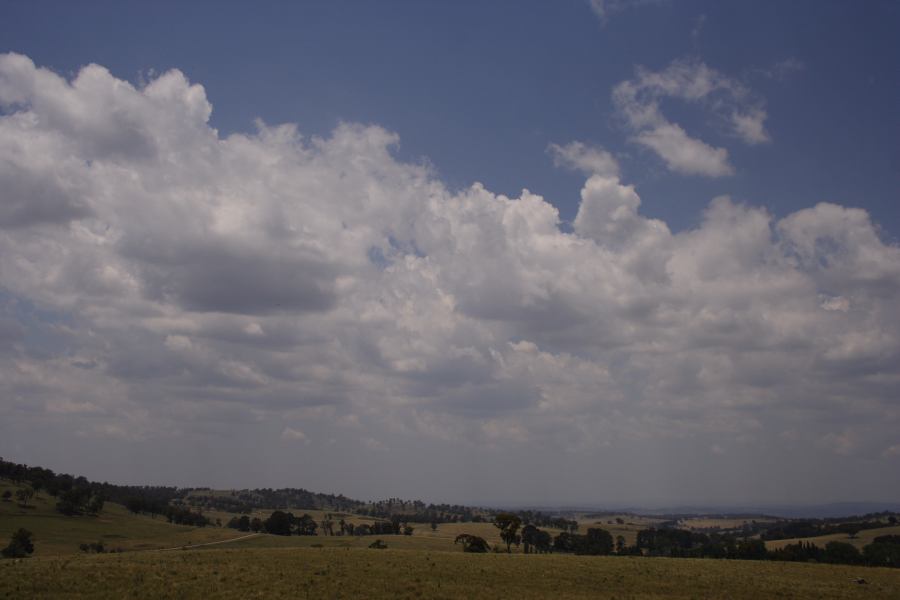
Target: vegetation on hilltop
[{"x": 529, "y": 531}]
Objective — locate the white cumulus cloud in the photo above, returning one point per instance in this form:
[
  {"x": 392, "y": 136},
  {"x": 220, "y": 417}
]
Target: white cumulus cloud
[
  {"x": 162, "y": 280},
  {"x": 638, "y": 101}
]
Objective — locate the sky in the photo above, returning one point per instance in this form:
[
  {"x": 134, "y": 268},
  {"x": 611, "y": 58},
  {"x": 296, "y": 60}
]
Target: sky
[{"x": 593, "y": 252}]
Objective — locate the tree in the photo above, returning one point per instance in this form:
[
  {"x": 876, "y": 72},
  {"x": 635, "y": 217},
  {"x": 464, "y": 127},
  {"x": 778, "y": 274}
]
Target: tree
[
  {"x": 327, "y": 525},
  {"x": 20, "y": 545},
  {"x": 306, "y": 525},
  {"x": 95, "y": 547},
  {"x": 434, "y": 525},
  {"x": 508, "y": 524},
  {"x": 135, "y": 504},
  {"x": 95, "y": 504},
  {"x": 23, "y": 495},
  {"x": 564, "y": 542},
  {"x": 597, "y": 541},
  {"x": 883, "y": 552},
  {"x": 842, "y": 553},
  {"x": 72, "y": 501},
  {"x": 279, "y": 523},
  {"x": 471, "y": 543},
  {"x": 244, "y": 523},
  {"x": 7, "y": 495},
  {"x": 529, "y": 537},
  {"x": 620, "y": 544},
  {"x": 256, "y": 524},
  {"x": 752, "y": 550},
  {"x": 543, "y": 542}
]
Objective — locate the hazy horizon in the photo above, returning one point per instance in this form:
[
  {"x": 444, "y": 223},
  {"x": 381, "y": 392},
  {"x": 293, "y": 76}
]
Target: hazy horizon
[{"x": 608, "y": 253}]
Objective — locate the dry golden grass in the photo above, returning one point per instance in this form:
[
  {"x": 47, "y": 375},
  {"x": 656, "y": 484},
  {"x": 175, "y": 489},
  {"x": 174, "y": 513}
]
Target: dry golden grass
[
  {"x": 863, "y": 538},
  {"x": 629, "y": 529},
  {"x": 707, "y": 523},
  {"x": 363, "y": 573}
]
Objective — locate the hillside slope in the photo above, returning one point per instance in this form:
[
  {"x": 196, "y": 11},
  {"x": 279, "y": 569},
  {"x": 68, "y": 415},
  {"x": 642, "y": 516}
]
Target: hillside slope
[{"x": 115, "y": 526}]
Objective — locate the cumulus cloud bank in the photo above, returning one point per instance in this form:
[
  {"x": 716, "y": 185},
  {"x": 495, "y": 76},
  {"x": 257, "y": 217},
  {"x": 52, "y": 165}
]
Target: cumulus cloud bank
[{"x": 159, "y": 280}]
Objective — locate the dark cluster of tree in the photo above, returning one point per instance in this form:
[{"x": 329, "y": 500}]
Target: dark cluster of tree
[
  {"x": 604, "y": 516},
  {"x": 409, "y": 511},
  {"x": 78, "y": 495},
  {"x": 676, "y": 543},
  {"x": 535, "y": 540},
  {"x": 278, "y": 523},
  {"x": 681, "y": 543},
  {"x": 331, "y": 524},
  {"x": 785, "y": 530},
  {"x": 185, "y": 516},
  {"x": 594, "y": 542},
  {"x": 20, "y": 545},
  {"x": 147, "y": 501},
  {"x": 884, "y": 551},
  {"x": 246, "y": 501},
  {"x": 416, "y": 511},
  {"x": 539, "y": 519},
  {"x": 92, "y": 547}
]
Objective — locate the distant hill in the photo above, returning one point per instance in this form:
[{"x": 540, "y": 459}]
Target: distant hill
[
  {"x": 161, "y": 499},
  {"x": 787, "y": 511}
]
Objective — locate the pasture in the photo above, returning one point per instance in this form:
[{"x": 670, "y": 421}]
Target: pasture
[
  {"x": 364, "y": 573},
  {"x": 628, "y": 529},
  {"x": 863, "y": 538},
  {"x": 115, "y": 526}
]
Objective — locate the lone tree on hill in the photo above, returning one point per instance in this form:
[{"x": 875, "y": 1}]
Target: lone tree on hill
[
  {"x": 20, "y": 545},
  {"x": 508, "y": 524}
]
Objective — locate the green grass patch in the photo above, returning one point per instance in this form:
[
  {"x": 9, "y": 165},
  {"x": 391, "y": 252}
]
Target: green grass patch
[{"x": 115, "y": 526}]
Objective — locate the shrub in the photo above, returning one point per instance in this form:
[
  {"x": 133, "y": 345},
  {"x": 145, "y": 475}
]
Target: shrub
[{"x": 20, "y": 545}]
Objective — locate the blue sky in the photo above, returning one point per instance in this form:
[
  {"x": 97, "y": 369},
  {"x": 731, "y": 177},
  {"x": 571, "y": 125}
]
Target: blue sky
[
  {"x": 480, "y": 89},
  {"x": 291, "y": 241}
]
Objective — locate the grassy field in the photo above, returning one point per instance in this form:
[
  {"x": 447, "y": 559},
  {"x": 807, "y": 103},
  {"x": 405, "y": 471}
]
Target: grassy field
[
  {"x": 718, "y": 523},
  {"x": 863, "y": 538},
  {"x": 629, "y": 529},
  {"x": 363, "y": 573},
  {"x": 116, "y": 527},
  {"x": 426, "y": 564}
]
